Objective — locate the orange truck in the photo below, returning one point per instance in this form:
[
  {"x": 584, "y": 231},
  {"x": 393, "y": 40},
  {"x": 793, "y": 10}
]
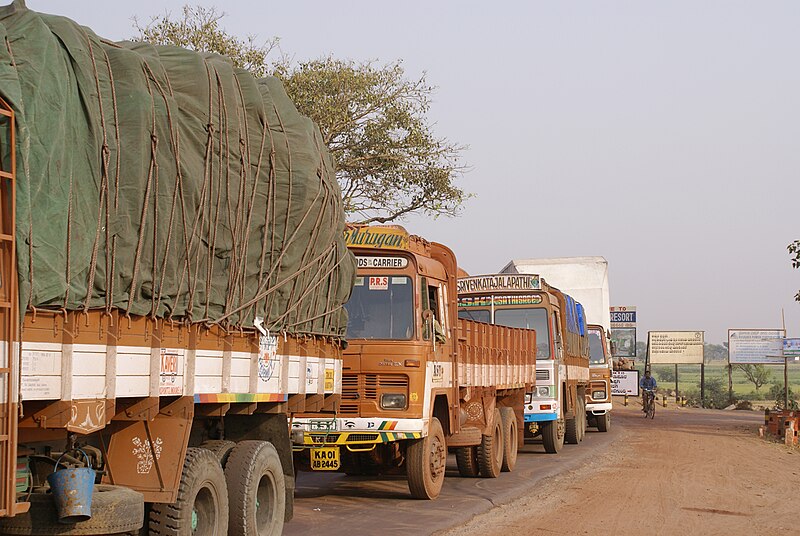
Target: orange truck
[
  {"x": 556, "y": 408},
  {"x": 417, "y": 381}
]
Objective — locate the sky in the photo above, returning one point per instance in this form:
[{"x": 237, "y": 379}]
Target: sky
[{"x": 661, "y": 135}]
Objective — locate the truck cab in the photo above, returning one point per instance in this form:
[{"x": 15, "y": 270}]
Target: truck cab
[{"x": 598, "y": 396}]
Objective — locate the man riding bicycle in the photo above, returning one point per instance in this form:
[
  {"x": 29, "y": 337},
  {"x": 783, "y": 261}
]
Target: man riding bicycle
[{"x": 648, "y": 387}]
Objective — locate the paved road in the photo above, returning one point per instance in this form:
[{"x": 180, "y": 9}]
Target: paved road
[{"x": 335, "y": 504}]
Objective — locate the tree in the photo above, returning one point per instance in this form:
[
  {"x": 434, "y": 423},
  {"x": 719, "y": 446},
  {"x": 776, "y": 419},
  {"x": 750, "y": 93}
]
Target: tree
[
  {"x": 372, "y": 118},
  {"x": 758, "y": 375},
  {"x": 794, "y": 254}
]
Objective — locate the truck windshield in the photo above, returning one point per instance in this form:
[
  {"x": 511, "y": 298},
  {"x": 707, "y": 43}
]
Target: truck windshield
[
  {"x": 381, "y": 307},
  {"x": 478, "y": 315},
  {"x": 528, "y": 318},
  {"x": 596, "y": 354}
]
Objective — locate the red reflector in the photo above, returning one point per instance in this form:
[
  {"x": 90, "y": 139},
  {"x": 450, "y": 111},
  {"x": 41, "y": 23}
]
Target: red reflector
[
  {"x": 545, "y": 406},
  {"x": 412, "y": 362}
]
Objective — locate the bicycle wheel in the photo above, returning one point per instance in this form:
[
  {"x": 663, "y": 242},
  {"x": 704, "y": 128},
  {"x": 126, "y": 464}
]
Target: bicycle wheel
[{"x": 651, "y": 409}]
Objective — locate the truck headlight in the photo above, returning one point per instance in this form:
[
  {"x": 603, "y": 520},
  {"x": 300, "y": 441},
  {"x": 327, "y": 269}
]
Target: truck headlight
[
  {"x": 543, "y": 392},
  {"x": 528, "y": 397},
  {"x": 393, "y": 401},
  {"x": 598, "y": 395}
]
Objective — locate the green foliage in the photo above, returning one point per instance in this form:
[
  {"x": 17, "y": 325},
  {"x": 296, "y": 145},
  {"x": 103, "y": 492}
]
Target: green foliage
[
  {"x": 372, "y": 118},
  {"x": 715, "y": 352},
  {"x": 665, "y": 374},
  {"x": 716, "y": 393},
  {"x": 758, "y": 375},
  {"x": 776, "y": 393},
  {"x": 794, "y": 254}
]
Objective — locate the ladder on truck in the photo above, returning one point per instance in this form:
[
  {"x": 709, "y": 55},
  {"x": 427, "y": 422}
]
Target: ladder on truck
[{"x": 9, "y": 322}]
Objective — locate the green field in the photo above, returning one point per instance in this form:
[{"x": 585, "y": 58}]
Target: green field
[{"x": 689, "y": 380}]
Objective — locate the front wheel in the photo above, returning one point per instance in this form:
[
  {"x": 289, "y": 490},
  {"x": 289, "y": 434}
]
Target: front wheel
[
  {"x": 603, "y": 422},
  {"x": 651, "y": 408},
  {"x": 553, "y": 434},
  {"x": 426, "y": 459}
]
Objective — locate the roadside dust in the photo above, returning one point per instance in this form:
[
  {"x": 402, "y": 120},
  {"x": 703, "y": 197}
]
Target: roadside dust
[{"x": 686, "y": 472}]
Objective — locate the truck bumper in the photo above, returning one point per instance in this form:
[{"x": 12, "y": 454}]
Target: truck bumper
[
  {"x": 598, "y": 409},
  {"x": 357, "y": 431},
  {"x": 540, "y": 417}
]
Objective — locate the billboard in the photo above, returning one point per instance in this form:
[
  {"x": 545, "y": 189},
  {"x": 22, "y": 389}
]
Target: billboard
[
  {"x": 623, "y": 331},
  {"x": 675, "y": 347},
  {"x": 755, "y": 346},
  {"x": 625, "y": 382},
  {"x": 791, "y": 348},
  {"x": 623, "y": 342}
]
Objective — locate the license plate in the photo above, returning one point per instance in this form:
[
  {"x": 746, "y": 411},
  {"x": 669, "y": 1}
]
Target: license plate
[{"x": 325, "y": 459}]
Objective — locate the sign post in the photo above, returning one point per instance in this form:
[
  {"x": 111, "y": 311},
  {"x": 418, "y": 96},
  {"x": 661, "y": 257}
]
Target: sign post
[
  {"x": 759, "y": 347},
  {"x": 677, "y": 348},
  {"x": 623, "y": 331}
]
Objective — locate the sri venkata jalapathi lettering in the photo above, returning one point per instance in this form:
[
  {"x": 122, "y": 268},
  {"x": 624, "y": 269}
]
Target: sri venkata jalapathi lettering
[
  {"x": 385, "y": 238},
  {"x": 498, "y": 282}
]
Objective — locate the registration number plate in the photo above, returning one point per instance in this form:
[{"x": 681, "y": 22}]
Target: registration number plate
[{"x": 325, "y": 459}]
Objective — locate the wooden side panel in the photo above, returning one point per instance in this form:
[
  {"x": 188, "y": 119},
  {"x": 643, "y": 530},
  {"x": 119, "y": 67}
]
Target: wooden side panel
[{"x": 495, "y": 356}]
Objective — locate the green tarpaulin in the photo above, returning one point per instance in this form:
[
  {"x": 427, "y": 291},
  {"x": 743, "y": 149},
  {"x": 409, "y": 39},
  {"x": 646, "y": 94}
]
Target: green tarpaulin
[{"x": 167, "y": 183}]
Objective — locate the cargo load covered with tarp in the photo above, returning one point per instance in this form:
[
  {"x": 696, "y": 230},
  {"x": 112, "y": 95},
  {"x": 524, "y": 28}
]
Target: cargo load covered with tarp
[{"x": 167, "y": 183}]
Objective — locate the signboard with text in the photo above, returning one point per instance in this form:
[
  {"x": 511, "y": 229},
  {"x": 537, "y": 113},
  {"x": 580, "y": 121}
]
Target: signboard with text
[
  {"x": 675, "y": 347},
  {"x": 791, "y": 348},
  {"x": 625, "y": 382},
  {"x": 623, "y": 331},
  {"x": 755, "y": 346}
]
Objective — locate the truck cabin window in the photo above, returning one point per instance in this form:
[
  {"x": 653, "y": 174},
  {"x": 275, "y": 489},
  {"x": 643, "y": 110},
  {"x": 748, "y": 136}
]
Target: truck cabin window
[
  {"x": 528, "y": 318},
  {"x": 478, "y": 315},
  {"x": 596, "y": 355},
  {"x": 381, "y": 307}
]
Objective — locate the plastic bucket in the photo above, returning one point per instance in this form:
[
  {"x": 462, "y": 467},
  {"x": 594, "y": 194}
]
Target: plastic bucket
[{"x": 72, "y": 492}]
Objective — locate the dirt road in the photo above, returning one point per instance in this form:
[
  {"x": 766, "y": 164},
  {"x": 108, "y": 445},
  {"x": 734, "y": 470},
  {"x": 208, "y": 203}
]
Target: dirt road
[{"x": 686, "y": 472}]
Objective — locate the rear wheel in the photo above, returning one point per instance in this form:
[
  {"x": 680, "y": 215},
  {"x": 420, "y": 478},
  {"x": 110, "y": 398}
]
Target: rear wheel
[
  {"x": 510, "y": 439},
  {"x": 202, "y": 505},
  {"x": 467, "y": 461},
  {"x": 256, "y": 489},
  {"x": 490, "y": 451},
  {"x": 220, "y": 448},
  {"x": 581, "y": 416},
  {"x": 426, "y": 459},
  {"x": 572, "y": 434},
  {"x": 553, "y": 434},
  {"x": 603, "y": 421}
]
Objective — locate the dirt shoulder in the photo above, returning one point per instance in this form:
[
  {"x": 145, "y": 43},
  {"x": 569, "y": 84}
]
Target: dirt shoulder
[{"x": 686, "y": 472}]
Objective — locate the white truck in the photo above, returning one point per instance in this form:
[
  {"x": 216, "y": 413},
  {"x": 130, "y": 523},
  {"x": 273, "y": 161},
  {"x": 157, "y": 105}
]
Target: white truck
[{"x": 586, "y": 280}]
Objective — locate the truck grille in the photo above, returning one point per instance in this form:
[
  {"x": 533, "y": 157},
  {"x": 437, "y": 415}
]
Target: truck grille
[
  {"x": 362, "y": 437},
  {"x": 542, "y": 375},
  {"x": 357, "y": 387},
  {"x": 324, "y": 438}
]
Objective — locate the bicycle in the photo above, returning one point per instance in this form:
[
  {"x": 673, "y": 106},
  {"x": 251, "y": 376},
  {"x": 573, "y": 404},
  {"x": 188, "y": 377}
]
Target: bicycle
[{"x": 649, "y": 403}]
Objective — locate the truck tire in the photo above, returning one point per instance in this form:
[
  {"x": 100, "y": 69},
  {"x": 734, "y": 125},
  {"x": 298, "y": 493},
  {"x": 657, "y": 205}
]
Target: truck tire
[
  {"x": 467, "y": 461},
  {"x": 490, "y": 451},
  {"x": 221, "y": 449},
  {"x": 510, "y": 439},
  {"x": 256, "y": 490},
  {"x": 581, "y": 418},
  {"x": 115, "y": 510},
  {"x": 572, "y": 431},
  {"x": 202, "y": 505},
  {"x": 553, "y": 434},
  {"x": 603, "y": 421},
  {"x": 426, "y": 459}
]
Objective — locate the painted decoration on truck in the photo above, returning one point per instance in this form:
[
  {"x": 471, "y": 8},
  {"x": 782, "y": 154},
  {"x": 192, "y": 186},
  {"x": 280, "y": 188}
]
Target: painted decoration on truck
[
  {"x": 144, "y": 454},
  {"x": 170, "y": 380},
  {"x": 267, "y": 356},
  {"x": 376, "y": 237},
  {"x": 501, "y": 282}
]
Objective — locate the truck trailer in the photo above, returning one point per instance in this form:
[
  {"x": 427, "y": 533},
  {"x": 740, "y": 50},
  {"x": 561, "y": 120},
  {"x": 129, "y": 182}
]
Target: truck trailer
[{"x": 172, "y": 281}]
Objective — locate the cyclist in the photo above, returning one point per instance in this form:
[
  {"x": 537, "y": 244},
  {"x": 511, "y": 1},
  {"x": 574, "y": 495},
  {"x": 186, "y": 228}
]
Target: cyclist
[{"x": 648, "y": 386}]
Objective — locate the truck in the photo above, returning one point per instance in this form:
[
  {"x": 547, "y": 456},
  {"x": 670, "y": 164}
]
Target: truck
[
  {"x": 172, "y": 281},
  {"x": 586, "y": 280},
  {"x": 418, "y": 381},
  {"x": 555, "y": 410}
]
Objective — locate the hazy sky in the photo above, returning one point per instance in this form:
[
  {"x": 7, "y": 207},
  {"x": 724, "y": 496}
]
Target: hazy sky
[{"x": 661, "y": 135}]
